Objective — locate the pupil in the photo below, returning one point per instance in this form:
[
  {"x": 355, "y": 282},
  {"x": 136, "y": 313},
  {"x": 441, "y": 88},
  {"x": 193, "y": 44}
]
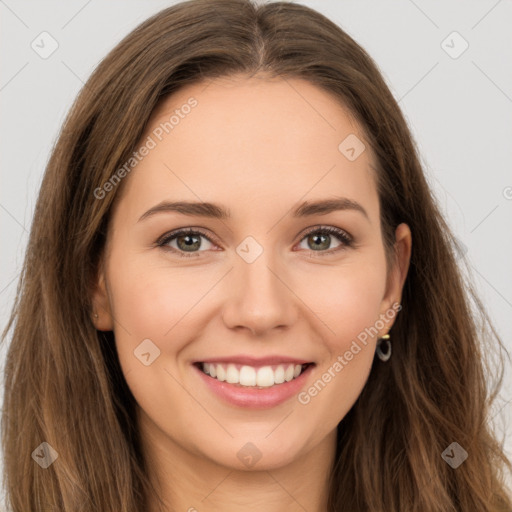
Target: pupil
[
  {"x": 189, "y": 241},
  {"x": 325, "y": 237}
]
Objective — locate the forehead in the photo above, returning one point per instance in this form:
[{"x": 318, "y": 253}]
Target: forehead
[{"x": 252, "y": 142}]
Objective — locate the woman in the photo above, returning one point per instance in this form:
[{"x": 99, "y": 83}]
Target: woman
[{"x": 239, "y": 292}]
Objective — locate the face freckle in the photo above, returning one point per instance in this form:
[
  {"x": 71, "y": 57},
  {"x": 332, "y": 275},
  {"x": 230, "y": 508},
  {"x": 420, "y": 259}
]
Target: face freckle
[{"x": 258, "y": 281}]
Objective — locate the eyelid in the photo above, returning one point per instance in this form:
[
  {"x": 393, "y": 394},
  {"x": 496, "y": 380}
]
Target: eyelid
[{"x": 328, "y": 229}]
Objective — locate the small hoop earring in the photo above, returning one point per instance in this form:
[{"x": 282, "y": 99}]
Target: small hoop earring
[{"x": 384, "y": 355}]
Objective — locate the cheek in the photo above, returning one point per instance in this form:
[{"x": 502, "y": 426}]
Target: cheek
[
  {"x": 348, "y": 304},
  {"x": 165, "y": 304},
  {"x": 347, "y": 299},
  {"x": 151, "y": 299}
]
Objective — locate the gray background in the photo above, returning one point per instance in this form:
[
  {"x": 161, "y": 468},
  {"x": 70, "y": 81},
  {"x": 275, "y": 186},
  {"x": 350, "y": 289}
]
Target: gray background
[{"x": 459, "y": 110}]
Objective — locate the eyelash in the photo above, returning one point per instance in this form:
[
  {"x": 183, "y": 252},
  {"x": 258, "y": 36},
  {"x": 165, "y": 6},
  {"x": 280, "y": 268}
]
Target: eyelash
[{"x": 339, "y": 233}]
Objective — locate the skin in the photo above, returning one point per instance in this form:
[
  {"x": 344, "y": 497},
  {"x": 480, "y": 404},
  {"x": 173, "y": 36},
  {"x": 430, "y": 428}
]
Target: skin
[{"x": 259, "y": 147}]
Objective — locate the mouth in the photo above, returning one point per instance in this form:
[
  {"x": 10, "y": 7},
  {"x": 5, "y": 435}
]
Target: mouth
[{"x": 255, "y": 377}]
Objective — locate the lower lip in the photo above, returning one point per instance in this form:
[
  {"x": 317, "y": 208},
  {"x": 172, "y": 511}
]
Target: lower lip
[{"x": 256, "y": 398}]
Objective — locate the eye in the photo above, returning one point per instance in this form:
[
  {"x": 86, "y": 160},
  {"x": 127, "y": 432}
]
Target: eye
[
  {"x": 187, "y": 241},
  {"x": 321, "y": 237}
]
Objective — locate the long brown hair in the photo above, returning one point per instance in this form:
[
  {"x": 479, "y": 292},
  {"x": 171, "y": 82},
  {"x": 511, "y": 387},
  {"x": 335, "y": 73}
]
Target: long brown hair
[{"x": 63, "y": 382}]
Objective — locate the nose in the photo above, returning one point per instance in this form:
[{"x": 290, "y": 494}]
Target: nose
[{"x": 259, "y": 299}]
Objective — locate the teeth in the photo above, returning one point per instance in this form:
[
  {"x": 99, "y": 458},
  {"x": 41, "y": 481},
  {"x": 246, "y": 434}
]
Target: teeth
[
  {"x": 279, "y": 375},
  {"x": 263, "y": 377},
  {"x": 221, "y": 374},
  {"x": 232, "y": 374},
  {"x": 247, "y": 376}
]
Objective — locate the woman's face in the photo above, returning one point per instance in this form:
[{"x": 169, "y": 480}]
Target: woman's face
[{"x": 259, "y": 287}]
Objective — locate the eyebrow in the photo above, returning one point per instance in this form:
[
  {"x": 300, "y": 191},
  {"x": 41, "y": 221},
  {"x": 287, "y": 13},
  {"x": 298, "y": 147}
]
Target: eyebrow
[{"x": 216, "y": 211}]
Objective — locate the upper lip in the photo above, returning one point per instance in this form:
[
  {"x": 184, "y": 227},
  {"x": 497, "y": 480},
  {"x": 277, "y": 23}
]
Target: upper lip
[{"x": 254, "y": 361}]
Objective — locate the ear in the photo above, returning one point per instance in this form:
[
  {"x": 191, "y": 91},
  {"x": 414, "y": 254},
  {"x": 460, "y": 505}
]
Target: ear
[
  {"x": 101, "y": 304},
  {"x": 398, "y": 273}
]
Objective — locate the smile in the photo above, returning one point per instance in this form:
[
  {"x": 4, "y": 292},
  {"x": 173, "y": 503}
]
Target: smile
[
  {"x": 251, "y": 376},
  {"x": 254, "y": 382}
]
